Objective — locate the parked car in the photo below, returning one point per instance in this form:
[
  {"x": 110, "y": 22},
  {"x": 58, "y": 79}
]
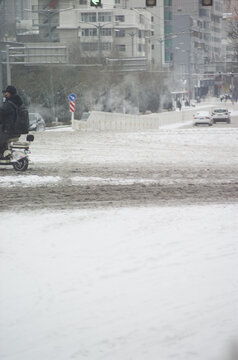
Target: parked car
[
  {"x": 36, "y": 122},
  {"x": 202, "y": 117},
  {"x": 221, "y": 114}
]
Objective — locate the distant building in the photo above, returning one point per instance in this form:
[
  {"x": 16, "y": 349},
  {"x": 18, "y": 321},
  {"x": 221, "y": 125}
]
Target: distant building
[
  {"x": 117, "y": 31},
  {"x": 181, "y": 37},
  {"x": 197, "y": 51}
]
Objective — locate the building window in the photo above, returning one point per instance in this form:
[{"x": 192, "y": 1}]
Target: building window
[
  {"x": 89, "y": 17},
  {"x": 117, "y": 1},
  {"x": 142, "y": 20},
  {"x": 104, "y": 16},
  {"x": 141, "y": 47},
  {"x": 83, "y": 2},
  {"x": 90, "y": 46},
  {"x": 121, "y": 48},
  {"x": 120, "y": 18},
  {"x": 120, "y": 33},
  {"x": 93, "y": 46},
  {"x": 218, "y": 7},
  {"x": 106, "y": 46},
  {"x": 106, "y": 32},
  {"x": 89, "y": 32},
  {"x": 167, "y": 2}
]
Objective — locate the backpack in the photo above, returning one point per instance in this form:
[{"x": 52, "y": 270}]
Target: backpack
[{"x": 22, "y": 119}]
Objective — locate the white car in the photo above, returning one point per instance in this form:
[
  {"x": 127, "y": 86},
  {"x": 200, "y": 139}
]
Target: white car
[
  {"x": 221, "y": 114},
  {"x": 202, "y": 117}
]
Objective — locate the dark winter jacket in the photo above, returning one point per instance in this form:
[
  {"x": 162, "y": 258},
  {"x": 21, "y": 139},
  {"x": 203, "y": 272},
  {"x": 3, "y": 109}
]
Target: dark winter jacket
[{"x": 8, "y": 115}]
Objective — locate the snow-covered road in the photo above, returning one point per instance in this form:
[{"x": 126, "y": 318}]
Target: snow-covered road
[
  {"x": 121, "y": 246},
  {"x": 175, "y": 166},
  {"x": 146, "y": 283}
]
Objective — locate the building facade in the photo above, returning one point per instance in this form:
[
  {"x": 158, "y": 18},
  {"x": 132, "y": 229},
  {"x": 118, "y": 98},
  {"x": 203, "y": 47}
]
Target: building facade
[
  {"x": 176, "y": 35},
  {"x": 197, "y": 50},
  {"x": 115, "y": 31}
]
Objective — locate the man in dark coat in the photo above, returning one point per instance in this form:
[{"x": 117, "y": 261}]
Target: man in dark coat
[{"x": 8, "y": 116}]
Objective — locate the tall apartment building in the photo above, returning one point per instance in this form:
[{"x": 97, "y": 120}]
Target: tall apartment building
[{"x": 197, "y": 47}]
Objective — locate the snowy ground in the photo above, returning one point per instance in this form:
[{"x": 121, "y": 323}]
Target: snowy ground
[
  {"x": 147, "y": 283},
  {"x": 151, "y": 275}
]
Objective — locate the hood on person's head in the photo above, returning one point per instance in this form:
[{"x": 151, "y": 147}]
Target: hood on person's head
[{"x": 10, "y": 89}]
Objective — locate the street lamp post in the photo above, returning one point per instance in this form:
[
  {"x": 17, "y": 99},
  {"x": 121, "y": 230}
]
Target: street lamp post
[
  {"x": 132, "y": 35},
  {"x": 98, "y": 27}
]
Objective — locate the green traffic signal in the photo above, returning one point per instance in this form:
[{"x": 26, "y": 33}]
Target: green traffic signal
[{"x": 95, "y": 3}]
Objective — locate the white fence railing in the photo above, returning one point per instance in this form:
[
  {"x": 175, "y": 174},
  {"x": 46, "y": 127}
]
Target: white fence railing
[{"x": 103, "y": 121}]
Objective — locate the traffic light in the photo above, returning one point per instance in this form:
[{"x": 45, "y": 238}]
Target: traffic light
[
  {"x": 95, "y": 3},
  {"x": 207, "y": 2},
  {"x": 150, "y": 3}
]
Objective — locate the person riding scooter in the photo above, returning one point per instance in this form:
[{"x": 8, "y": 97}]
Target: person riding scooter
[{"x": 8, "y": 117}]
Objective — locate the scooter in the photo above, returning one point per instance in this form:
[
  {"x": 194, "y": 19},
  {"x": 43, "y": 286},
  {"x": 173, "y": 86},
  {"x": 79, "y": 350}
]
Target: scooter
[{"x": 16, "y": 153}]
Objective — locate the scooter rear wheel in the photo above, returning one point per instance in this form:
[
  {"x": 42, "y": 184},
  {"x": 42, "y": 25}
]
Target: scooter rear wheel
[{"x": 21, "y": 165}]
